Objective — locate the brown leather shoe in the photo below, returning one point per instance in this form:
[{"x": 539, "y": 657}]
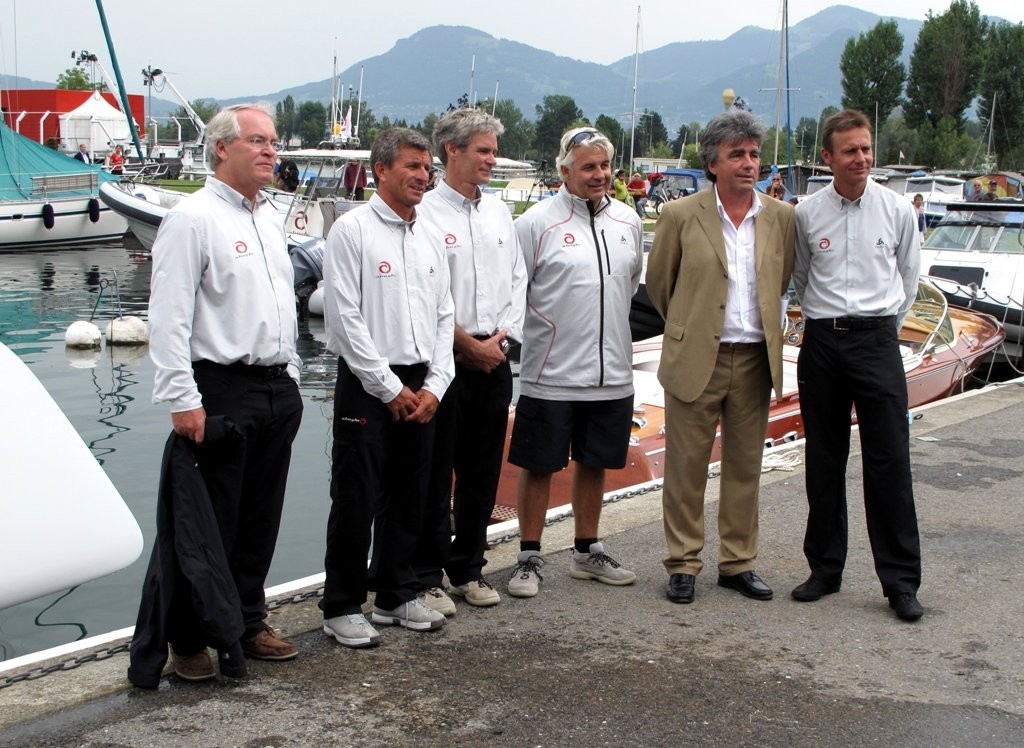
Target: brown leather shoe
[
  {"x": 193, "y": 667},
  {"x": 266, "y": 646}
]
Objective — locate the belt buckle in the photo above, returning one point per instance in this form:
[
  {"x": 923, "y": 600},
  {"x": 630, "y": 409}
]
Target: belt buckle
[
  {"x": 273, "y": 372},
  {"x": 837, "y": 326}
]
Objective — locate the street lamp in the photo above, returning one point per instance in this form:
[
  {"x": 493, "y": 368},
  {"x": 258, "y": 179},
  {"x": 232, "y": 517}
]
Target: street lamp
[{"x": 728, "y": 97}]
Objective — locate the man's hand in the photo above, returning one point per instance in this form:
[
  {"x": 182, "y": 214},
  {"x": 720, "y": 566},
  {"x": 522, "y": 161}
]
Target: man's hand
[
  {"x": 404, "y": 405},
  {"x": 426, "y": 408},
  {"x": 483, "y": 355},
  {"x": 190, "y": 423}
]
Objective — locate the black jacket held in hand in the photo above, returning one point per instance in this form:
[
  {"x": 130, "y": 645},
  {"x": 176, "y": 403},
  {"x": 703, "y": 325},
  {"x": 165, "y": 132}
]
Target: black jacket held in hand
[{"x": 188, "y": 585}]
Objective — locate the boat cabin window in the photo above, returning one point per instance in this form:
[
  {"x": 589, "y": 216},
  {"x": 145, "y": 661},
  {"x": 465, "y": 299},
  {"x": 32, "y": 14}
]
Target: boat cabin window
[
  {"x": 985, "y": 239},
  {"x": 1011, "y": 240},
  {"x": 950, "y": 237}
]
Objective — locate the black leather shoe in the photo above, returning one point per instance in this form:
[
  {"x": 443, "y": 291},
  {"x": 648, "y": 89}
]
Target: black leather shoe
[
  {"x": 813, "y": 589},
  {"x": 746, "y": 583},
  {"x": 680, "y": 588},
  {"x": 906, "y": 606}
]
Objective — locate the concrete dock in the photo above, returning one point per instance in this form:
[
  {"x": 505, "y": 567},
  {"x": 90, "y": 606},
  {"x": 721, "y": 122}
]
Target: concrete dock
[{"x": 587, "y": 664}]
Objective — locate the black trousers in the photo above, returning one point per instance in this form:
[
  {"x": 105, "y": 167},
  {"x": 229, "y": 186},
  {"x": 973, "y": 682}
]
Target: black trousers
[
  {"x": 471, "y": 425},
  {"x": 379, "y": 475},
  {"x": 247, "y": 491},
  {"x": 862, "y": 368}
]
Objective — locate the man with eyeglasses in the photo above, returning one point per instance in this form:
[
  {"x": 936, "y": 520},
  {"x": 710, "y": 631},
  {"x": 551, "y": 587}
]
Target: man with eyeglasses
[
  {"x": 584, "y": 258},
  {"x": 718, "y": 273},
  {"x": 223, "y": 322}
]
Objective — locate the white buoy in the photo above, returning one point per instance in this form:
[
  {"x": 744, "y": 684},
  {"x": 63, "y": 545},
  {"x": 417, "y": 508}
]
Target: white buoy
[
  {"x": 82, "y": 335},
  {"x": 315, "y": 304},
  {"x": 127, "y": 331}
]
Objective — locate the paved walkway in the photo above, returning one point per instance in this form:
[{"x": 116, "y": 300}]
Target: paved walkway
[{"x": 587, "y": 664}]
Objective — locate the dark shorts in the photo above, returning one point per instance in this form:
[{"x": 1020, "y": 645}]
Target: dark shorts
[{"x": 546, "y": 432}]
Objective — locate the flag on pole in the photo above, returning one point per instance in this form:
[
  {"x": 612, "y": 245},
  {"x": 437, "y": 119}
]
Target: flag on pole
[
  {"x": 346, "y": 126},
  {"x": 902, "y": 156}
]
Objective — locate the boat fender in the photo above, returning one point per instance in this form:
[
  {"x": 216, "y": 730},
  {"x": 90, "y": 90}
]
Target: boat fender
[
  {"x": 94, "y": 209},
  {"x": 48, "y": 216}
]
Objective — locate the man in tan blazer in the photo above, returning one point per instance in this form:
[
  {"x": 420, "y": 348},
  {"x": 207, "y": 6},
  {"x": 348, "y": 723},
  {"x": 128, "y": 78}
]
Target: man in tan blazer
[{"x": 718, "y": 273}]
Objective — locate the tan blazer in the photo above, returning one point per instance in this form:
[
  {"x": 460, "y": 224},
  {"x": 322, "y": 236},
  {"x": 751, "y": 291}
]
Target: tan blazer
[{"x": 687, "y": 280}]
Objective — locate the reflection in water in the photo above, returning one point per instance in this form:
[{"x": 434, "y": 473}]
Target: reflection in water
[
  {"x": 113, "y": 403},
  {"x": 82, "y": 632}
]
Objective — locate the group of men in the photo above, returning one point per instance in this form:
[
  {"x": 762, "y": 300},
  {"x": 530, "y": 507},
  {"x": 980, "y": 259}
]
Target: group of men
[{"x": 425, "y": 293}]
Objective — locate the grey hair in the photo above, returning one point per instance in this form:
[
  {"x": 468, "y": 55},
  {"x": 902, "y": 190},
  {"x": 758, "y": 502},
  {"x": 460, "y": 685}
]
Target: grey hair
[
  {"x": 389, "y": 142},
  {"x": 600, "y": 140},
  {"x": 459, "y": 126},
  {"x": 223, "y": 127},
  {"x": 732, "y": 126}
]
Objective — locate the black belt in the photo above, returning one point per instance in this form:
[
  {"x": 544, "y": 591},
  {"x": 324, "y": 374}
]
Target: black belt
[
  {"x": 247, "y": 370},
  {"x": 742, "y": 346},
  {"x": 854, "y": 323}
]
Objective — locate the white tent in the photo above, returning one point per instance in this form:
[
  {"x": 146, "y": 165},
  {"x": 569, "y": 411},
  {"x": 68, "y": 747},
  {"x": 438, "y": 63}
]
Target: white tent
[{"x": 95, "y": 123}]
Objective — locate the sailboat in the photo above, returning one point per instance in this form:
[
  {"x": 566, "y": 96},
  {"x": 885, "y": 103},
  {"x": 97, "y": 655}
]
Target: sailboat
[{"x": 48, "y": 199}]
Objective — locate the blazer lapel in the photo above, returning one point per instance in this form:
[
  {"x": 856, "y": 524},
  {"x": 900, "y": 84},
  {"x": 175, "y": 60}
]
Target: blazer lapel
[
  {"x": 764, "y": 228},
  {"x": 711, "y": 223}
]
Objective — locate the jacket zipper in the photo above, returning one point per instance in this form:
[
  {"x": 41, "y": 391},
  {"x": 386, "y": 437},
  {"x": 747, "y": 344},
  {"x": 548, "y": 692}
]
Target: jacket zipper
[{"x": 602, "y": 267}]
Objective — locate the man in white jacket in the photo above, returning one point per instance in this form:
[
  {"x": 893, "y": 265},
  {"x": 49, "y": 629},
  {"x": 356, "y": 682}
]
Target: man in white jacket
[{"x": 584, "y": 258}]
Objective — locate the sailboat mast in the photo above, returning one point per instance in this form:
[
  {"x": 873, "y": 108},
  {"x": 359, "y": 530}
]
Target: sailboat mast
[
  {"x": 636, "y": 70},
  {"x": 789, "y": 130},
  {"x": 359, "y": 104},
  {"x": 125, "y": 106}
]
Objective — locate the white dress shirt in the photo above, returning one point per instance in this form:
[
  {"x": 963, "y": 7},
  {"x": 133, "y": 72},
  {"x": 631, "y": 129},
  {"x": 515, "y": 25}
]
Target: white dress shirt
[
  {"x": 488, "y": 273},
  {"x": 387, "y": 299},
  {"x": 857, "y": 258},
  {"x": 742, "y": 314},
  {"x": 223, "y": 290}
]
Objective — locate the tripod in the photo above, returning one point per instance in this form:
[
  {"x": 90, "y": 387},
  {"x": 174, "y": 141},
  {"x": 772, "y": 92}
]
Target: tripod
[{"x": 541, "y": 182}]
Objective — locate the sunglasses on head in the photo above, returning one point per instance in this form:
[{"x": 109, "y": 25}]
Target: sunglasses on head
[{"x": 582, "y": 137}]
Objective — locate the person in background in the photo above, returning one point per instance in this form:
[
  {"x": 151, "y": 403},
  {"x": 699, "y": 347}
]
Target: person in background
[
  {"x": 83, "y": 154},
  {"x": 115, "y": 161},
  {"x": 776, "y": 188},
  {"x": 389, "y": 317},
  {"x": 638, "y": 190},
  {"x": 584, "y": 258},
  {"x": 354, "y": 180},
  {"x": 621, "y": 192},
  {"x": 286, "y": 176},
  {"x": 857, "y": 263},
  {"x": 223, "y": 341},
  {"x": 718, "y": 273},
  {"x": 489, "y": 291},
  {"x": 922, "y": 221}
]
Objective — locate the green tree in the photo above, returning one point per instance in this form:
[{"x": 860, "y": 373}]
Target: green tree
[
  {"x": 285, "y": 119},
  {"x": 205, "y": 108},
  {"x": 611, "y": 127},
  {"x": 945, "y": 65},
  {"x": 556, "y": 115},
  {"x": 1002, "y": 85},
  {"x": 650, "y": 131},
  {"x": 940, "y": 146},
  {"x": 311, "y": 123},
  {"x": 75, "y": 79},
  {"x": 684, "y": 136},
  {"x": 872, "y": 72},
  {"x": 518, "y": 137}
]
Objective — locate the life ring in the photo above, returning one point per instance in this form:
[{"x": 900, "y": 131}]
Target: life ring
[
  {"x": 48, "y": 216},
  {"x": 300, "y": 220},
  {"x": 94, "y": 209}
]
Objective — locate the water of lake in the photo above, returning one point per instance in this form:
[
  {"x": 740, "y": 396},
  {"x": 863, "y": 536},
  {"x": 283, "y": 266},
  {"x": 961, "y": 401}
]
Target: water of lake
[{"x": 107, "y": 397}]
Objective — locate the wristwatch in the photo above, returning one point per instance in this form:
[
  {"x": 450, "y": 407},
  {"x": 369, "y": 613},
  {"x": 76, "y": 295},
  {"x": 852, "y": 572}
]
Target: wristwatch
[{"x": 505, "y": 345}]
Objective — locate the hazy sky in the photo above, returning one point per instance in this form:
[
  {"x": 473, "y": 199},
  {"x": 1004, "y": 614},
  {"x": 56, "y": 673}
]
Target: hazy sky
[{"x": 227, "y": 48}]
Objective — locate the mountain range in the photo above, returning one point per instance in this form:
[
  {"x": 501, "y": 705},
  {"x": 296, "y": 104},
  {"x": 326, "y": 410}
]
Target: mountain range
[{"x": 682, "y": 81}]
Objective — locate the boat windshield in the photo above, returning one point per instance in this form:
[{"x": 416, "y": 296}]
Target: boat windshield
[
  {"x": 979, "y": 231},
  {"x": 927, "y": 325}
]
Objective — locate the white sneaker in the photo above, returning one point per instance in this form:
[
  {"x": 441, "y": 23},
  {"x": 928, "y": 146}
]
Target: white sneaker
[
  {"x": 352, "y": 631},
  {"x": 478, "y": 592},
  {"x": 526, "y": 577},
  {"x": 436, "y": 599},
  {"x": 413, "y": 615},
  {"x": 600, "y": 566}
]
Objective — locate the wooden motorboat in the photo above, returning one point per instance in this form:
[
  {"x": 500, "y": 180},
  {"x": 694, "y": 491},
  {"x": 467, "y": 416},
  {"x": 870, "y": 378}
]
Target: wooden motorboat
[{"x": 942, "y": 347}]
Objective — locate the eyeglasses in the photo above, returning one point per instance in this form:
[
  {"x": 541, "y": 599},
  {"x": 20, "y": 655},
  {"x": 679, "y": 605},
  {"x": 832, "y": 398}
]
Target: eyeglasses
[
  {"x": 582, "y": 137},
  {"x": 259, "y": 142}
]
